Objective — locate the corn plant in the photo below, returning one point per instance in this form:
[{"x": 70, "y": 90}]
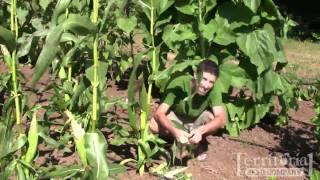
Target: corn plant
[
  {"x": 21, "y": 163},
  {"x": 81, "y": 43}
]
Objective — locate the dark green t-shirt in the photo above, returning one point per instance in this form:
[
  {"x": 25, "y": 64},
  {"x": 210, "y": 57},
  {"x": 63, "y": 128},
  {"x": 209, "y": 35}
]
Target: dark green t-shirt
[{"x": 179, "y": 95}]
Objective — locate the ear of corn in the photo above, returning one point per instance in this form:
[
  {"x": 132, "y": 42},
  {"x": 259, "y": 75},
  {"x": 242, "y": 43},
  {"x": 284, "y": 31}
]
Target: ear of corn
[
  {"x": 78, "y": 135},
  {"x": 33, "y": 138}
]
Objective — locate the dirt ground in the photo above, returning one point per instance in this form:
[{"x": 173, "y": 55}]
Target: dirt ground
[
  {"x": 228, "y": 157},
  {"x": 262, "y": 146}
]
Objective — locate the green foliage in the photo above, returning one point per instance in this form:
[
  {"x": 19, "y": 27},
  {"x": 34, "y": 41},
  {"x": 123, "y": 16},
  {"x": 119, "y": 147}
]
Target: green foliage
[
  {"x": 82, "y": 46},
  {"x": 315, "y": 174},
  {"x": 7, "y": 38},
  {"x": 96, "y": 145},
  {"x": 316, "y": 118}
]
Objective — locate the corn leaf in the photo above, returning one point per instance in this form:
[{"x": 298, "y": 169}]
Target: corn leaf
[
  {"x": 116, "y": 169},
  {"x": 7, "y": 38},
  {"x": 59, "y": 172},
  {"x": 96, "y": 145},
  {"x": 9, "y": 142},
  {"x": 48, "y": 53},
  {"x": 80, "y": 25},
  {"x": 61, "y": 7}
]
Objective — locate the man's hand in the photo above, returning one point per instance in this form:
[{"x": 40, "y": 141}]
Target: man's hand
[
  {"x": 181, "y": 136},
  {"x": 195, "y": 136}
]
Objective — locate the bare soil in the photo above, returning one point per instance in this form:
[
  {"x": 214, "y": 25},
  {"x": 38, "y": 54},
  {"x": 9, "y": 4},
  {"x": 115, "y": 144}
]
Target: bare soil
[{"x": 228, "y": 157}]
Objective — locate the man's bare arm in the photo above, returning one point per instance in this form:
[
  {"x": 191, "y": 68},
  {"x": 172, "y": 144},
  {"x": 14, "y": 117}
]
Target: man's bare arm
[
  {"x": 218, "y": 121},
  {"x": 162, "y": 120}
]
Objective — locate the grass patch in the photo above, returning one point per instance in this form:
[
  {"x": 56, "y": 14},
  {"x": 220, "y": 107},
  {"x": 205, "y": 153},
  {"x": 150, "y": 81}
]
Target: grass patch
[{"x": 304, "y": 60}]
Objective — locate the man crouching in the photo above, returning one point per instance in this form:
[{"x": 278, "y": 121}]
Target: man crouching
[{"x": 191, "y": 102}]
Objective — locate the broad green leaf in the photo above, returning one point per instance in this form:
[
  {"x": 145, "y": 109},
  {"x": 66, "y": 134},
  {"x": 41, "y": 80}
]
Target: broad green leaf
[
  {"x": 252, "y": 4},
  {"x": 259, "y": 45},
  {"x": 125, "y": 64},
  {"x": 96, "y": 146},
  {"x": 7, "y": 38},
  {"x": 162, "y": 77},
  {"x": 315, "y": 174},
  {"x": 44, "y": 4},
  {"x": 237, "y": 74},
  {"x": 60, "y": 8},
  {"x": 162, "y": 22},
  {"x": 25, "y": 46},
  {"x": 22, "y": 13},
  {"x": 37, "y": 24},
  {"x": 224, "y": 81},
  {"x": 127, "y": 24},
  {"x": 101, "y": 73},
  {"x": 249, "y": 118},
  {"x": 233, "y": 128},
  {"x": 280, "y": 56},
  {"x": 161, "y": 6},
  {"x": 272, "y": 82},
  {"x": 270, "y": 11},
  {"x": 186, "y": 7},
  {"x": 218, "y": 31},
  {"x": 178, "y": 33},
  {"x": 237, "y": 14},
  {"x": 176, "y": 67},
  {"x": 80, "y": 25},
  {"x": 209, "y": 5},
  {"x": 260, "y": 111},
  {"x": 48, "y": 53},
  {"x": 235, "y": 109}
]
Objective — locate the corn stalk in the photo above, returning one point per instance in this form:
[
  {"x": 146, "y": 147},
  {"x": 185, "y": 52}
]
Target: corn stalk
[
  {"x": 145, "y": 112},
  {"x": 95, "y": 67},
  {"x": 14, "y": 30}
]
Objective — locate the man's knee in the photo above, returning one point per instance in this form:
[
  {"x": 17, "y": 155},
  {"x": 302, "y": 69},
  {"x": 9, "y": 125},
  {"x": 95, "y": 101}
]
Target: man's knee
[{"x": 153, "y": 126}]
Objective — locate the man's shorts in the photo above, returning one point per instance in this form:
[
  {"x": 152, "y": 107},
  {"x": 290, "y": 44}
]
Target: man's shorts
[{"x": 188, "y": 124}]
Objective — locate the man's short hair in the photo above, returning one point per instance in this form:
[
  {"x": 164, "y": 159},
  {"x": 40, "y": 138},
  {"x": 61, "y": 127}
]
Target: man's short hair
[{"x": 208, "y": 66}]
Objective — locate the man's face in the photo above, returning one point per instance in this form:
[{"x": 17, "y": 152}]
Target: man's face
[{"x": 206, "y": 83}]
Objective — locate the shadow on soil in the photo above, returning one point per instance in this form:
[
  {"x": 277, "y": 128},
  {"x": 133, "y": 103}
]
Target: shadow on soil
[{"x": 297, "y": 139}]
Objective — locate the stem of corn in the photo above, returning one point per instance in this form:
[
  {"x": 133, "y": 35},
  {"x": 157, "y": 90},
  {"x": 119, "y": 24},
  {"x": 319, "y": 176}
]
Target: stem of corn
[
  {"x": 14, "y": 29},
  {"x": 95, "y": 66}
]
